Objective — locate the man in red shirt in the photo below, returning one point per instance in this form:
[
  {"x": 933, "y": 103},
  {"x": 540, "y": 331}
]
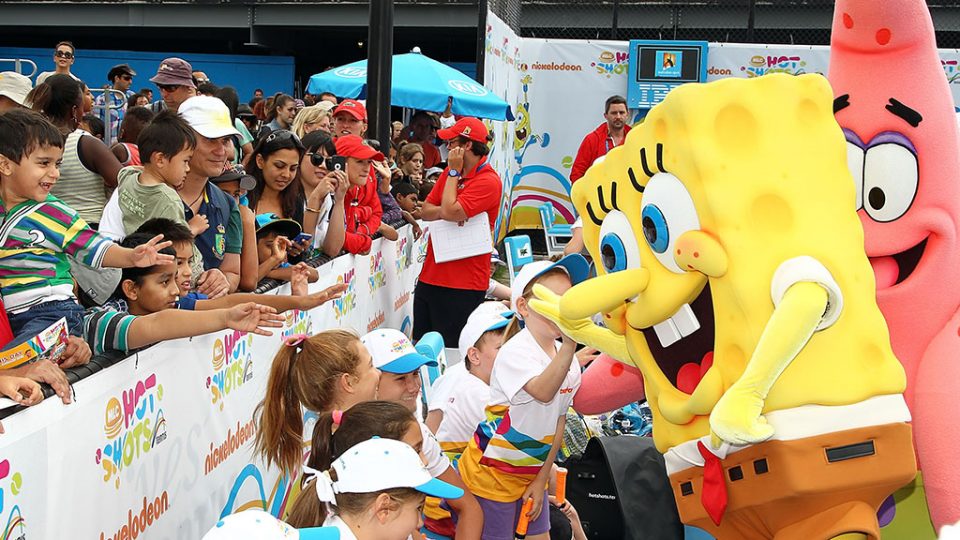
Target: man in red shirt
[
  {"x": 423, "y": 130},
  {"x": 448, "y": 292},
  {"x": 606, "y": 137}
]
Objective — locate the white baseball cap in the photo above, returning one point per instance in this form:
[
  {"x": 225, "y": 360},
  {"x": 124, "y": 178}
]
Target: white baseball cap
[
  {"x": 392, "y": 351},
  {"x": 256, "y": 524},
  {"x": 208, "y": 116},
  {"x": 15, "y": 86},
  {"x": 574, "y": 265},
  {"x": 378, "y": 464},
  {"x": 488, "y": 316}
]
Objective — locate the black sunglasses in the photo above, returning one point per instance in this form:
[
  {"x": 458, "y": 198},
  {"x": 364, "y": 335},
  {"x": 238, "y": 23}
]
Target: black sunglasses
[
  {"x": 168, "y": 87},
  {"x": 281, "y": 136},
  {"x": 126, "y": 77},
  {"x": 63, "y": 54},
  {"x": 317, "y": 160}
]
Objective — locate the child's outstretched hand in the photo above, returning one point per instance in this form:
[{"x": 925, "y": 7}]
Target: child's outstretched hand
[
  {"x": 253, "y": 318},
  {"x": 148, "y": 254},
  {"x": 321, "y": 297},
  {"x": 20, "y": 389},
  {"x": 298, "y": 279}
]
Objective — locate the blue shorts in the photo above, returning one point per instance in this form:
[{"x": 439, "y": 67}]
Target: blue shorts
[
  {"x": 500, "y": 519},
  {"x": 31, "y": 322}
]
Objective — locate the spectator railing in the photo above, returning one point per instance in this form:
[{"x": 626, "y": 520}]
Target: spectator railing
[
  {"x": 18, "y": 64},
  {"x": 110, "y": 134},
  {"x": 162, "y": 439}
]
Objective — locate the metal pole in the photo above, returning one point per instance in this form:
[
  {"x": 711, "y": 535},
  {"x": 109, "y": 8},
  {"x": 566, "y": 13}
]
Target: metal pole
[
  {"x": 750, "y": 20},
  {"x": 379, "y": 71},
  {"x": 616, "y": 19},
  {"x": 481, "y": 37}
]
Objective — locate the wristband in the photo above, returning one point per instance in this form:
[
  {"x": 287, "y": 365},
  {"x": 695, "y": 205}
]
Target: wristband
[
  {"x": 453, "y": 172},
  {"x": 312, "y": 210}
]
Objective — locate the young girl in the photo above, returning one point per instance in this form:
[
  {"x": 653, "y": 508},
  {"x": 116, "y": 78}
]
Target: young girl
[
  {"x": 329, "y": 371},
  {"x": 339, "y": 430},
  {"x": 326, "y": 191},
  {"x": 531, "y": 386},
  {"x": 377, "y": 488}
]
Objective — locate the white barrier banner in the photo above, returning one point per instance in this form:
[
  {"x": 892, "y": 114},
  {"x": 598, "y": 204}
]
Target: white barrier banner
[
  {"x": 158, "y": 446},
  {"x": 558, "y": 87}
]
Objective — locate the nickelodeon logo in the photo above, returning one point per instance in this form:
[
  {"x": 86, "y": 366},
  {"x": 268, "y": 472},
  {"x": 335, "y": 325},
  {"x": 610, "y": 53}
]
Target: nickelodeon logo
[{"x": 150, "y": 511}]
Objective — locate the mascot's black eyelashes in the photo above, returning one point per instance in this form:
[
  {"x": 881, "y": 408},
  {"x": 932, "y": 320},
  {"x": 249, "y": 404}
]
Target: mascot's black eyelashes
[
  {"x": 633, "y": 180},
  {"x": 908, "y": 115},
  {"x": 603, "y": 206},
  {"x": 646, "y": 167},
  {"x": 841, "y": 103}
]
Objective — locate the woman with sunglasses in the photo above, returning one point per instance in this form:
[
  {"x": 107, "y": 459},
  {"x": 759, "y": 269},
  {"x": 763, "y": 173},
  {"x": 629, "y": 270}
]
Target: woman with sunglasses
[
  {"x": 327, "y": 191},
  {"x": 89, "y": 168}
]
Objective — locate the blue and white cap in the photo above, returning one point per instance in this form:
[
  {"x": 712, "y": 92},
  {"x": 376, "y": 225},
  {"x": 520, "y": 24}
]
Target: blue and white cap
[
  {"x": 488, "y": 316},
  {"x": 256, "y": 524},
  {"x": 392, "y": 351}
]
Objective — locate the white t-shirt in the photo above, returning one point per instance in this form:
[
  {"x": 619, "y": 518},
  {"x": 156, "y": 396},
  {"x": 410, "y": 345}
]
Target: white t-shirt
[
  {"x": 323, "y": 222},
  {"x": 334, "y": 520},
  {"x": 445, "y": 385},
  {"x": 43, "y": 76},
  {"x": 111, "y": 221},
  {"x": 437, "y": 462},
  {"x": 462, "y": 412}
]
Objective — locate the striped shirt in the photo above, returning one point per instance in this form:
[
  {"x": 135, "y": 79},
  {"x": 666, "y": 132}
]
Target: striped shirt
[
  {"x": 107, "y": 327},
  {"x": 79, "y": 187},
  {"x": 35, "y": 241}
]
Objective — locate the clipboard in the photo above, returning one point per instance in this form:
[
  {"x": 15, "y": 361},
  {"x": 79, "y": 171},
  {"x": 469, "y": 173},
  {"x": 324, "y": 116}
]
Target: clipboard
[{"x": 453, "y": 241}]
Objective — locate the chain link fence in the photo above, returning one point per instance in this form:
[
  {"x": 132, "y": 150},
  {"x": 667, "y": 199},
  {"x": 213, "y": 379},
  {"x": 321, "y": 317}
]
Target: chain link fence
[{"x": 802, "y": 22}]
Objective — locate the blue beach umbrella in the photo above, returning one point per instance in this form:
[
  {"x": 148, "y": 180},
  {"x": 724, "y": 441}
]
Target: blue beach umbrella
[{"x": 419, "y": 82}]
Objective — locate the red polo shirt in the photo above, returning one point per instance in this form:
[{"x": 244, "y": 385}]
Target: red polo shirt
[{"x": 478, "y": 192}]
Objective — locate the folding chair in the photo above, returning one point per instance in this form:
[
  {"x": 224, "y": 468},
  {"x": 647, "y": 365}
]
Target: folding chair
[
  {"x": 519, "y": 253},
  {"x": 556, "y": 235}
]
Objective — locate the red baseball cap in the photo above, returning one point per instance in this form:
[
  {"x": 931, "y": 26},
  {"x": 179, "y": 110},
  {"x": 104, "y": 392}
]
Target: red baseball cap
[
  {"x": 352, "y": 107},
  {"x": 468, "y": 127},
  {"x": 355, "y": 147}
]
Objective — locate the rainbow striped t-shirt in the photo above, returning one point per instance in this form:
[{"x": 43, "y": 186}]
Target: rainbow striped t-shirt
[{"x": 35, "y": 240}]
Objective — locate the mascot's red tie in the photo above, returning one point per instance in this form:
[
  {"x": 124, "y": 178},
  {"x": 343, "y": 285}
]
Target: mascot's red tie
[{"x": 714, "y": 494}]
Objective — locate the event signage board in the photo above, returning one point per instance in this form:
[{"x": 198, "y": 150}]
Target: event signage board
[
  {"x": 656, "y": 67},
  {"x": 159, "y": 445}
]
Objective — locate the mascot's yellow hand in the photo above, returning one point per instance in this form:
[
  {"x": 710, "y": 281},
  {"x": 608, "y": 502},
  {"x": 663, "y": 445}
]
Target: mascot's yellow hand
[
  {"x": 737, "y": 418},
  {"x": 585, "y": 331}
]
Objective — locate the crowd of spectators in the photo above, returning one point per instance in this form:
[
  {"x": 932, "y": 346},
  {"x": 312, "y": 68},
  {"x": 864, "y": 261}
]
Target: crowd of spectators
[{"x": 180, "y": 203}]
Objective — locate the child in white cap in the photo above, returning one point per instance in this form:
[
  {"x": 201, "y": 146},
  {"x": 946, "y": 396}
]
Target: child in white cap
[
  {"x": 399, "y": 364},
  {"x": 464, "y": 396},
  {"x": 377, "y": 489},
  {"x": 532, "y": 385}
]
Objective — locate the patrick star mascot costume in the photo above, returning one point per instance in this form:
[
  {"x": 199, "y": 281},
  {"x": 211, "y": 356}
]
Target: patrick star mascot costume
[{"x": 895, "y": 107}]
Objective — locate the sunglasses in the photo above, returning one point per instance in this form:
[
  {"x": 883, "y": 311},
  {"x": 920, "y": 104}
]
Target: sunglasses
[
  {"x": 63, "y": 54},
  {"x": 317, "y": 160},
  {"x": 126, "y": 77},
  {"x": 281, "y": 136},
  {"x": 168, "y": 87}
]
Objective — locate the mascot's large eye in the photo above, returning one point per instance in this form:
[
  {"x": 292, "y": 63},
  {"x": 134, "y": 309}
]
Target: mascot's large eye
[
  {"x": 890, "y": 177},
  {"x": 855, "y": 157},
  {"x": 618, "y": 244},
  {"x": 667, "y": 213}
]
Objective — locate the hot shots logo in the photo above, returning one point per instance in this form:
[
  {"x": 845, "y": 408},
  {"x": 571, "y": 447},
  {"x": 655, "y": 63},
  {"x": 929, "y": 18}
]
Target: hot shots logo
[
  {"x": 16, "y": 528},
  {"x": 232, "y": 365},
  {"x": 297, "y": 322},
  {"x": 611, "y": 63},
  {"x": 133, "y": 425},
  {"x": 378, "y": 278},
  {"x": 764, "y": 65},
  {"x": 348, "y": 302},
  {"x": 403, "y": 255}
]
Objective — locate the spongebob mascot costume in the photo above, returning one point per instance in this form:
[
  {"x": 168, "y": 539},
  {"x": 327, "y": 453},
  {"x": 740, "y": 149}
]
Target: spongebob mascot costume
[{"x": 734, "y": 277}]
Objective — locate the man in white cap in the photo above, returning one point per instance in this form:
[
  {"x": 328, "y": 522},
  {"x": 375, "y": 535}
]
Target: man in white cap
[
  {"x": 221, "y": 242},
  {"x": 14, "y": 88}
]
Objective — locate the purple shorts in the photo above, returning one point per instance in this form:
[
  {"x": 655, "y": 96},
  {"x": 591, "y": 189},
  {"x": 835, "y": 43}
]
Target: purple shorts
[{"x": 500, "y": 519}]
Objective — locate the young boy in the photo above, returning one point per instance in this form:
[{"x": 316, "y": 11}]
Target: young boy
[
  {"x": 407, "y": 197},
  {"x": 183, "y": 245},
  {"x": 166, "y": 147},
  {"x": 461, "y": 394},
  {"x": 41, "y": 232},
  {"x": 274, "y": 235}
]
